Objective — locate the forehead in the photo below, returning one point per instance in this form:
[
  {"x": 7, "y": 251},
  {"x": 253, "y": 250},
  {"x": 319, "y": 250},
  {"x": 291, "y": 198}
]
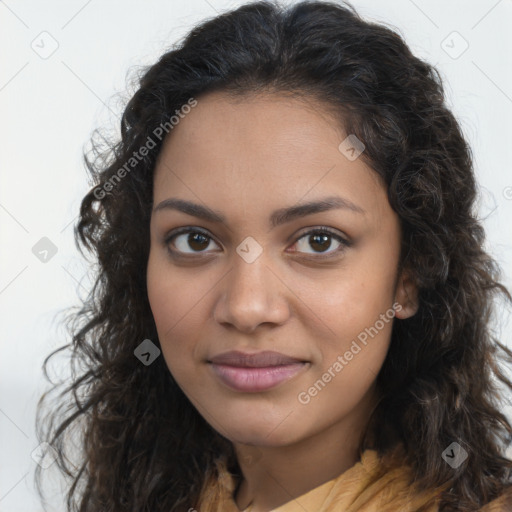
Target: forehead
[
  {"x": 255, "y": 120},
  {"x": 262, "y": 150}
]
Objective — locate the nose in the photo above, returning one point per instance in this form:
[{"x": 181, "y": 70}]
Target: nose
[{"x": 252, "y": 294}]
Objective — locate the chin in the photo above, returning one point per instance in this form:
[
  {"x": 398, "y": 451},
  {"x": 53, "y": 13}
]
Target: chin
[
  {"x": 259, "y": 432},
  {"x": 261, "y": 439}
]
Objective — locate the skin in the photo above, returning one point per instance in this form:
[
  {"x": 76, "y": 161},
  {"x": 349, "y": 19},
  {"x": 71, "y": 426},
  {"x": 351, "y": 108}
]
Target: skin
[{"x": 245, "y": 159}]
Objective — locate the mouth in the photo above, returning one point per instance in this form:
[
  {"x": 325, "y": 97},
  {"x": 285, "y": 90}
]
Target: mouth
[{"x": 252, "y": 373}]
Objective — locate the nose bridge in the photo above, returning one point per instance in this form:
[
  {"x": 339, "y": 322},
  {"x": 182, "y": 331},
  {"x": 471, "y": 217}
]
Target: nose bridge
[{"x": 251, "y": 294}]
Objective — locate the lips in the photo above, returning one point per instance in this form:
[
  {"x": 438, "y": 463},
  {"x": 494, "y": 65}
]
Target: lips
[
  {"x": 255, "y": 372},
  {"x": 257, "y": 360}
]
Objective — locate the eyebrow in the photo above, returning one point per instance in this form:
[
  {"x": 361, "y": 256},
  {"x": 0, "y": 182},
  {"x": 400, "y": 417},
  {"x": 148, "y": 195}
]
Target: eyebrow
[{"x": 278, "y": 217}]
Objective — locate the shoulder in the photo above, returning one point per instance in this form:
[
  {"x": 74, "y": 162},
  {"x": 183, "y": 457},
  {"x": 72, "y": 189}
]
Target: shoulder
[{"x": 395, "y": 464}]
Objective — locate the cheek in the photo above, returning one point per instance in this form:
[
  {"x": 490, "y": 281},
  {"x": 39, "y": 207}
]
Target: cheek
[
  {"x": 358, "y": 308},
  {"x": 363, "y": 334},
  {"x": 172, "y": 294},
  {"x": 167, "y": 307},
  {"x": 179, "y": 307},
  {"x": 328, "y": 399},
  {"x": 355, "y": 299},
  {"x": 349, "y": 366},
  {"x": 162, "y": 302}
]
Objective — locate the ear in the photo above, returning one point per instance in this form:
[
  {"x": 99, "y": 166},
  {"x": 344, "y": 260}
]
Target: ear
[{"x": 406, "y": 296}]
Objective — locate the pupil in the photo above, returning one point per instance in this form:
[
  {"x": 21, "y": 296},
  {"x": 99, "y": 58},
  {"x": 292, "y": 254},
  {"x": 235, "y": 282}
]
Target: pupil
[
  {"x": 193, "y": 238},
  {"x": 324, "y": 239}
]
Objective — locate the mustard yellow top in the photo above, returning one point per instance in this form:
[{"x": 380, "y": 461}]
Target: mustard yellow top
[{"x": 368, "y": 486}]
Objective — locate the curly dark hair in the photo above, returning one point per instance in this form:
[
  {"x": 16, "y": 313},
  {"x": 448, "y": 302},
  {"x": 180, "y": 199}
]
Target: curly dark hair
[{"x": 142, "y": 445}]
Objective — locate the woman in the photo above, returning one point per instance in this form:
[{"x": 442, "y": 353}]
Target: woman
[{"x": 292, "y": 306}]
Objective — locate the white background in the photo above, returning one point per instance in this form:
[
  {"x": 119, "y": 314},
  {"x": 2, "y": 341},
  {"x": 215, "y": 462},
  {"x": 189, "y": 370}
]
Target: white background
[{"x": 51, "y": 105}]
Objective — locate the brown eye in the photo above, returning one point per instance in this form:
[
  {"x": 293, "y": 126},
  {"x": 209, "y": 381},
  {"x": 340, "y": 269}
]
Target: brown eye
[
  {"x": 189, "y": 241},
  {"x": 321, "y": 240}
]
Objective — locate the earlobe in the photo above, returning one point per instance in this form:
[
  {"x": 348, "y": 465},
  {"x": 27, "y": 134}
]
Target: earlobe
[{"x": 406, "y": 297}]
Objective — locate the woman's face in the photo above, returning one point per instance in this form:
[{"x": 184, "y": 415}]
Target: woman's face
[{"x": 273, "y": 332}]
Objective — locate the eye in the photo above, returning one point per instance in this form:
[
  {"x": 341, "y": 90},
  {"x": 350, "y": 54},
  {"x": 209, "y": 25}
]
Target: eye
[
  {"x": 320, "y": 240},
  {"x": 188, "y": 238}
]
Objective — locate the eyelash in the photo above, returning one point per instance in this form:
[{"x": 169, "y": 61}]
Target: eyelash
[{"x": 344, "y": 243}]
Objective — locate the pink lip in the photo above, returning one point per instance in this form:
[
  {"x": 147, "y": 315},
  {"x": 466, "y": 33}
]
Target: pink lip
[{"x": 255, "y": 372}]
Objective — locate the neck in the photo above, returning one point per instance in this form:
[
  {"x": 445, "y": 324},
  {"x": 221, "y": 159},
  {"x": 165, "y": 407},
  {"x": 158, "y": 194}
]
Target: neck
[{"x": 274, "y": 475}]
